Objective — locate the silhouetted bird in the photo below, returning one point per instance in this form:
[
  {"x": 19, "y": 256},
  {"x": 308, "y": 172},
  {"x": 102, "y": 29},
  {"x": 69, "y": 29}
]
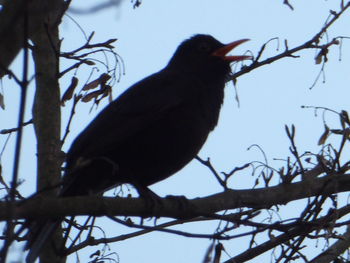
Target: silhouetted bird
[{"x": 155, "y": 127}]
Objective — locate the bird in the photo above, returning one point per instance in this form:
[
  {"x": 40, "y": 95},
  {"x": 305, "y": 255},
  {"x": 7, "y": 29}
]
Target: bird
[{"x": 153, "y": 129}]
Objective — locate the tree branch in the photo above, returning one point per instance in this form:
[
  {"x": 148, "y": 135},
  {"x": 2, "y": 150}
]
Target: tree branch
[
  {"x": 335, "y": 250},
  {"x": 301, "y": 230},
  {"x": 52, "y": 207},
  {"x": 312, "y": 43}
]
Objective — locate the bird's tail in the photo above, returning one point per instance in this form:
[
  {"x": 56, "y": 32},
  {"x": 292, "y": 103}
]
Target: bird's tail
[{"x": 40, "y": 234}]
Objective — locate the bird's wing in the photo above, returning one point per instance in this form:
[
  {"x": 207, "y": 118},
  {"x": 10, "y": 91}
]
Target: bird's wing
[{"x": 141, "y": 105}]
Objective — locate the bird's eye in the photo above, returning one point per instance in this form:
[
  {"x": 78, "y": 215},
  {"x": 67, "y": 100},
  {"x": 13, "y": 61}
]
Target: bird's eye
[{"x": 204, "y": 47}]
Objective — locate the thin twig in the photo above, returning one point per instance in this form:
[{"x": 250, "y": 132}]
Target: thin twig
[
  {"x": 290, "y": 52},
  {"x": 75, "y": 103},
  {"x": 14, "y": 183},
  {"x": 208, "y": 164},
  {"x": 7, "y": 131}
]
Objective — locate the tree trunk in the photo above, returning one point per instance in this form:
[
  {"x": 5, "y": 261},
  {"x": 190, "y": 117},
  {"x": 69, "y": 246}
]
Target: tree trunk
[{"x": 47, "y": 118}]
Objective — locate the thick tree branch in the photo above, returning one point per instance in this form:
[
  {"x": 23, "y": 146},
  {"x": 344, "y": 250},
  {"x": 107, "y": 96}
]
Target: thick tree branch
[{"x": 230, "y": 199}]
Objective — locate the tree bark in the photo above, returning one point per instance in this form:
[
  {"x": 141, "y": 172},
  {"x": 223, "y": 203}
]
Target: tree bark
[
  {"x": 47, "y": 116},
  {"x": 260, "y": 198}
]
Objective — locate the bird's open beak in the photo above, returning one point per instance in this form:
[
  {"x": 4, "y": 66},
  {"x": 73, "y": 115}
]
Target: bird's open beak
[{"x": 221, "y": 52}]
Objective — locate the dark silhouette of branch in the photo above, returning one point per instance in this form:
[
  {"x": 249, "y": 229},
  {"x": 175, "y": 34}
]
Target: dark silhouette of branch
[
  {"x": 301, "y": 230},
  {"x": 334, "y": 250},
  {"x": 96, "y": 8},
  {"x": 14, "y": 183},
  {"x": 6, "y": 131},
  {"x": 286, "y": 2},
  {"x": 312, "y": 43},
  {"x": 208, "y": 164},
  {"x": 235, "y": 217},
  {"x": 93, "y": 241},
  {"x": 230, "y": 199},
  {"x": 75, "y": 103}
]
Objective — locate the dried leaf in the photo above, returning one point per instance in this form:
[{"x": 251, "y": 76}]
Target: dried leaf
[
  {"x": 322, "y": 56},
  {"x": 91, "y": 85},
  {"x": 101, "y": 80},
  {"x": 91, "y": 95},
  {"x": 89, "y": 62},
  {"x": 70, "y": 91},
  {"x": 106, "y": 91},
  {"x": 77, "y": 97},
  {"x": 318, "y": 58},
  {"x": 2, "y": 104},
  {"x": 344, "y": 118},
  {"x": 104, "y": 77},
  {"x": 110, "y": 98},
  {"x": 324, "y": 136},
  {"x": 347, "y": 133}
]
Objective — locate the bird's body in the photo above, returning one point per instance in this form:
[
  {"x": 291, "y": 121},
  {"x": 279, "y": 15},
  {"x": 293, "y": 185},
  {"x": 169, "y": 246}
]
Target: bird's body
[
  {"x": 152, "y": 131},
  {"x": 155, "y": 127}
]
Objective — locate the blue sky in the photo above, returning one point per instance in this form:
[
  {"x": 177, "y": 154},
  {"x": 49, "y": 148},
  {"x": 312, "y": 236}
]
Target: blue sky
[{"x": 270, "y": 97}]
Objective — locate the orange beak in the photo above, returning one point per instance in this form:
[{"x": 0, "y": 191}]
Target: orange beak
[{"x": 221, "y": 52}]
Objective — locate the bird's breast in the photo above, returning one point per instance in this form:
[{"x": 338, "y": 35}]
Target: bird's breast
[{"x": 169, "y": 144}]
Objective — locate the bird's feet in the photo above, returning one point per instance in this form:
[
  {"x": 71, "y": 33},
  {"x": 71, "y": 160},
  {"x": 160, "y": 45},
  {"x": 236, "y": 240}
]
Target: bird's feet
[{"x": 153, "y": 201}]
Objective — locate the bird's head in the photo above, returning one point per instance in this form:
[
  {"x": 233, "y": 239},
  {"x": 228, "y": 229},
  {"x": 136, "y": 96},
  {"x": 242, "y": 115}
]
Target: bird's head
[{"x": 203, "y": 53}]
